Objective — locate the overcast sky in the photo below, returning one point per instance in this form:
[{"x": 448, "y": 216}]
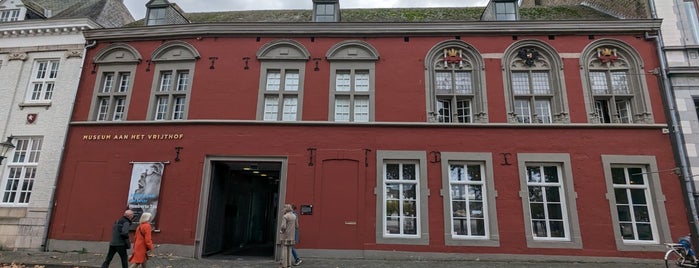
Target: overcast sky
[{"x": 138, "y": 7}]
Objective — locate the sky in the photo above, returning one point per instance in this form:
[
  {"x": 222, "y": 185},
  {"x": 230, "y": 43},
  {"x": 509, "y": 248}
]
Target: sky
[{"x": 138, "y": 7}]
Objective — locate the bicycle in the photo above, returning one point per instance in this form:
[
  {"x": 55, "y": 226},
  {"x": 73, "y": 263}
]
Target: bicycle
[{"x": 680, "y": 254}]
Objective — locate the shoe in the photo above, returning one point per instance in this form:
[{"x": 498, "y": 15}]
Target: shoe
[{"x": 298, "y": 262}]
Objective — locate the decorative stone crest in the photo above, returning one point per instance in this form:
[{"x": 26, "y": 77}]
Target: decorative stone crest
[
  {"x": 453, "y": 57},
  {"x": 607, "y": 55},
  {"x": 528, "y": 55},
  {"x": 74, "y": 54},
  {"x": 18, "y": 56}
]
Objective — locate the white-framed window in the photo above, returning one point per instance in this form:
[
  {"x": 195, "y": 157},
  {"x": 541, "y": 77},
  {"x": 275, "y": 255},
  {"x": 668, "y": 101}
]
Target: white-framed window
[
  {"x": 632, "y": 196},
  {"x": 281, "y": 95},
  {"x": 455, "y": 87},
  {"x": 43, "y": 79},
  {"x": 282, "y": 72},
  {"x": 9, "y": 15},
  {"x": 21, "y": 171},
  {"x": 614, "y": 92},
  {"x": 692, "y": 20},
  {"x": 534, "y": 84},
  {"x": 112, "y": 96},
  {"x": 402, "y": 198},
  {"x": 636, "y": 202},
  {"x": 171, "y": 95},
  {"x": 548, "y": 199},
  {"x": 469, "y": 199},
  {"x": 352, "y": 81},
  {"x": 352, "y": 95}
]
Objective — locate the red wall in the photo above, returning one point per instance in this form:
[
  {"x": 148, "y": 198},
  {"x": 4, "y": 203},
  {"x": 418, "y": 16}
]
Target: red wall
[{"x": 95, "y": 174}]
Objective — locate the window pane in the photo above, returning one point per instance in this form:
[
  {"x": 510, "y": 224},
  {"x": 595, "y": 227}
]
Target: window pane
[
  {"x": 443, "y": 82},
  {"x": 523, "y": 111},
  {"x": 124, "y": 82},
  {"x": 409, "y": 172},
  {"x": 474, "y": 172},
  {"x": 553, "y": 194},
  {"x": 624, "y": 212},
  {"x": 392, "y": 171},
  {"x": 620, "y": 83},
  {"x": 108, "y": 83},
  {"x": 178, "y": 108},
  {"x": 540, "y": 83},
  {"x": 182, "y": 81},
  {"x": 103, "y": 109},
  {"x": 543, "y": 111},
  {"x": 444, "y": 110},
  {"x": 271, "y": 108},
  {"x": 535, "y": 194},
  {"x": 463, "y": 83},
  {"x": 557, "y": 229},
  {"x": 342, "y": 109},
  {"x": 361, "y": 109},
  {"x": 361, "y": 81},
  {"x": 409, "y": 191},
  {"x": 463, "y": 111},
  {"x": 456, "y": 173},
  {"x": 342, "y": 81},
  {"x": 458, "y": 192},
  {"x": 618, "y": 176},
  {"x": 598, "y": 81},
  {"x": 551, "y": 174},
  {"x": 290, "y": 107},
  {"x": 119, "y": 108},
  {"x": 161, "y": 108},
  {"x": 273, "y": 80},
  {"x": 165, "y": 80},
  {"x": 291, "y": 81},
  {"x": 520, "y": 83},
  {"x": 623, "y": 109},
  {"x": 534, "y": 174}
]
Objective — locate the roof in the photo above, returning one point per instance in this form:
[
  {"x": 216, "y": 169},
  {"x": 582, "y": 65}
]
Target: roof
[
  {"x": 398, "y": 15},
  {"x": 108, "y": 13}
]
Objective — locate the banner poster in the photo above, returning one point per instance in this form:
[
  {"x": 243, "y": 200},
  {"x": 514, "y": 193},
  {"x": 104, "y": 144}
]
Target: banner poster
[{"x": 145, "y": 188}]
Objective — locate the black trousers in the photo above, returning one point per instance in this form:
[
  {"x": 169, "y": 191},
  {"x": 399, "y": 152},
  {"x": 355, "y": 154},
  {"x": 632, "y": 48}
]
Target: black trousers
[{"x": 122, "y": 254}]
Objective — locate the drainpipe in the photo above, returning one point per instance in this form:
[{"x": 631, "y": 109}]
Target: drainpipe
[
  {"x": 676, "y": 136},
  {"x": 52, "y": 201}
]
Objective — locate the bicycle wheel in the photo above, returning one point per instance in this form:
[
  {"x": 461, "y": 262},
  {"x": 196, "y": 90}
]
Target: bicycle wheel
[{"x": 673, "y": 258}]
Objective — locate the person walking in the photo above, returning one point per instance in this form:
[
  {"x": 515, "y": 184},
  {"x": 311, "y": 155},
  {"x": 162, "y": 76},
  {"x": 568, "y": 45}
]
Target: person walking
[
  {"x": 143, "y": 242},
  {"x": 120, "y": 239},
  {"x": 297, "y": 260},
  {"x": 286, "y": 235}
]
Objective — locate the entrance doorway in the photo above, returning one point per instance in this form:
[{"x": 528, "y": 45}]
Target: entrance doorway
[{"x": 242, "y": 209}]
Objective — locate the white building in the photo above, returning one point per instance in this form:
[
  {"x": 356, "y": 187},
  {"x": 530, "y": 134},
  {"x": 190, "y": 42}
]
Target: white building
[{"x": 41, "y": 59}]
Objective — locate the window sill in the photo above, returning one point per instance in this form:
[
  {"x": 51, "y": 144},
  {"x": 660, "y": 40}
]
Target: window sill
[
  {"x": 13, "y": 212},
  {"x": 35, "y": 104}
]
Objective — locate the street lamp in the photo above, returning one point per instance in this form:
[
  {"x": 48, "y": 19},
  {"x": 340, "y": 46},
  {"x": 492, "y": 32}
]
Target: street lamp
[{"x": 5, "y": 147}]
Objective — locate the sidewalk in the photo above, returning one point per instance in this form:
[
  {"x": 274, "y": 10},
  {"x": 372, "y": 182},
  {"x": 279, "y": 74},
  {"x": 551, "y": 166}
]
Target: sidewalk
[{"x": 84, "y": 260}]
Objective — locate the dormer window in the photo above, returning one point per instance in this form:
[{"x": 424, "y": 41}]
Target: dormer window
[
  {"x": 505, "y": 10},
  {"x": 156, "y": 16},
  {"x": 9, "y": 15},
  {"x": 326, "y": 11}
]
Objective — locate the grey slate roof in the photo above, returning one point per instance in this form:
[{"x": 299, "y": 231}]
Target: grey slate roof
[
  {"x": 108, "y": 13},
  {"x": 398, "y": 15}
]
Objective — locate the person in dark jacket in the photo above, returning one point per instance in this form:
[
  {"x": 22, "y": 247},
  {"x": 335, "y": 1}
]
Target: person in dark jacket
[{"x": 120, "y": 240}]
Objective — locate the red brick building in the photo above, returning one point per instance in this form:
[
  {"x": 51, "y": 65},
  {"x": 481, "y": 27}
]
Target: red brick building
[{"x": 398, "y": 130}]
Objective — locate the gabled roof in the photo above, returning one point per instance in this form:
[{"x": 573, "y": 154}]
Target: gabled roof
[{"x": 108, "y": 13}]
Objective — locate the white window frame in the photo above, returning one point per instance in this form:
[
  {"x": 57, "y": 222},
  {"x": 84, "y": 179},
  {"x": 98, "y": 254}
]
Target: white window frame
[
  {"x": 42, "y": 84},
  {"x": 573, "y": 238},
  {"x": 654, "y": 196},
  {"x": 352, "y": 103},
  {"x": 22, "y": 166},
  {"x": 171, "y": 94},
  {"x": 418, "y": 159},
  {"x": 281, "y": 95},
  {"x": 485, "y": 163},
  {"x": 112, "y": 96},
  {"x": 547, "y": 200},
  {"x": 8, "y": 15}
]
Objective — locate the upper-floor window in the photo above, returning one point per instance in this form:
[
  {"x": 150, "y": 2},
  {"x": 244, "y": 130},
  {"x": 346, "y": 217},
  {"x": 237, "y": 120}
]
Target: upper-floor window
[
  {"x": 534, "y": 89},
  {"x": 690, "y": 10},
  {"x": 21, "y": 171},
  {"x": 352, "y": 64},
  {"x": 43, "y": 79},
  {"x": 157, "y": 16},
  {"x": 326, "y": 10},
  {"x": 506, "y": 10},
  {"x": 116, "y": 65},
  {"x": 615, "y": 92},
  {"x": 283, "y": 67},
  {"x": 172, "y": 83},
  {"x": 455, "y": 86},
  {"x": 9, "y": 15},
  {"x": 281, "y": 95},
  {"x": 636, "y": 202}
]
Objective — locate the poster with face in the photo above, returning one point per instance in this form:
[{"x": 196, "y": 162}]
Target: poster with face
[{"x": 145, "y": 188}]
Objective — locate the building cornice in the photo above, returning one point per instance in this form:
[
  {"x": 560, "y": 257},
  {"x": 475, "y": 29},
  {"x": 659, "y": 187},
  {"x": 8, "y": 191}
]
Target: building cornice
[
  {"x": 31, "y": 28},
  {"x": 377, "y": 29}
]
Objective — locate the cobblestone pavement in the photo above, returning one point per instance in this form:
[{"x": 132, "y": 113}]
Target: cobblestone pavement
[{"x": 33, "y": 259}]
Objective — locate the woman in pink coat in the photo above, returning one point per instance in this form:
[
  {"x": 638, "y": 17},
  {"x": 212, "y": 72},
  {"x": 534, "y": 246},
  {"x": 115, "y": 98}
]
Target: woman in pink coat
[{"x": 143, "y": 242}]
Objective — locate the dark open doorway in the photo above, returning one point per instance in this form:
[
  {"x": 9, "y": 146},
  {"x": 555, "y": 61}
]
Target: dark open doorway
[{"x": 242, "y": 209}]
